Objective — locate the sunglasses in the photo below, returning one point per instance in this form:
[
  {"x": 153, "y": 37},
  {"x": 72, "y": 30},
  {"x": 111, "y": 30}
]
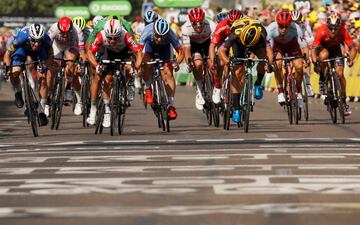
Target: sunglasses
[
  {"x": 199, "y": 23},
  {"x": 283, "y": 26},
  {"x": 112, "y": 38},
  {"x": 35, "y": 41},
  {"x": 333, "y": 28}
]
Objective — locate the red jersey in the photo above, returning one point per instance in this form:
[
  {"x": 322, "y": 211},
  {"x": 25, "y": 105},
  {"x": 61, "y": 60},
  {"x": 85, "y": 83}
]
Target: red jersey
[
  {"x": 322, "y": 37},
  {"x": 125, "y": 41},
  {"x": 222, "y": 31}
]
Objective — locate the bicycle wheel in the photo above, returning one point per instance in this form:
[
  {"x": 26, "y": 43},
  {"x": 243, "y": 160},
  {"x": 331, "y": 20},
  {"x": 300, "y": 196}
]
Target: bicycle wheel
[
  {"x": 58, "y": 101},
  {"x": 294, "y": 103},
  {"x": 85, "y": 98},
  {"x": 227, "y": 104},
  {"x": 306, "y": 102},
  {"x": 207, "y": 92},
  {"x": 330, "y": 102},
  {"x": 246, "y": 107},
  {"x": 216, "y": 115},
  {"x": 30, "y": 105},
  {"x": 340, "y": 97},
  {"x": 122, "y": 106},
  {"x": 114, "y": 105},
  {"x": 163, "y": 105},
  {"x": 100, "y": 118},
  {"x": 288, "y": 105}
]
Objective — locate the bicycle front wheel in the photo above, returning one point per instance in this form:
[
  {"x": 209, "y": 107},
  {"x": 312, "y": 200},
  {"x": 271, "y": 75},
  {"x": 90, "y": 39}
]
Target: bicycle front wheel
[
  {"x": 246, "y": 107},
  {"x": 227, "y": 104},
  {"x": 30, "y": 106},
  {"x": 340, "y": 96},
  {"x": 294, "y": 102}
]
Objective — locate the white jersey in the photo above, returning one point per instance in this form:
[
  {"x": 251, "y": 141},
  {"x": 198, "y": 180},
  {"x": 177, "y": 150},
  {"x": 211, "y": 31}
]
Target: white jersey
[
  {"x": 74, "y": 39},
  {"x": 306, "y": 29},
  {"x": 189, "y": 34}
]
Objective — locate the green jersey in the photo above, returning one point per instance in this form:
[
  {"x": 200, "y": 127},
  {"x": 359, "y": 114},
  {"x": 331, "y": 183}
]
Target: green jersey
[{"x": 100, "y": 25}]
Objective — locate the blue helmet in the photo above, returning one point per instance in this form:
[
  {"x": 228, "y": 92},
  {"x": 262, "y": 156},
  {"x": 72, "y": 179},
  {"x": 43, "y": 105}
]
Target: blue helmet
[
  {"x": 221, "y": 16},
  {"x": 161, "y": 27},
  {"x": 150, "y": 16}
]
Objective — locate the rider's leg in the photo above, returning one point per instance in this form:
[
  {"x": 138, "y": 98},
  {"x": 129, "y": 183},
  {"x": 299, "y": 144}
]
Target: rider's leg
[{"x": 299, "y": 73}]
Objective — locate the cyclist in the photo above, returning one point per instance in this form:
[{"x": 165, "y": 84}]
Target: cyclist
[
  {"x": 327, "y": 44},
  {"x": 286, "y": 38},
  {"x": 221, "y": 16},
  {"x": 116, "y": 43},
  {"x": 81, "y": 23},
  {"x": 197, "y": 33},
  {"x": 30, "y": 42},
  {"x": 297, "y": 17},
  {"x": 247, "y": 34},
  {"x": 160, "y": 43},
  {"x": 67, "y": 40},
  {"x": 222, "y": 31},
  {"x": 149, "y": 18}
]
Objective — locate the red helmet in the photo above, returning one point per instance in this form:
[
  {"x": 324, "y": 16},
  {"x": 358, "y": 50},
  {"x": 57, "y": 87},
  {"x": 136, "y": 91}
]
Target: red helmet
[
  {"x": 64, "y": 24},
  {"x": 283, "y": 17},
  {"x": 234, "y": 14},
  {"x": 196, "y": 15}
]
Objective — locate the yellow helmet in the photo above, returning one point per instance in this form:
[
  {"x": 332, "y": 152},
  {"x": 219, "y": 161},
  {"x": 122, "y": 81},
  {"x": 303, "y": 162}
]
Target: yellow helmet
[
  {"x": 80, "y": 22},
  {"x": 250, "y": 35}
]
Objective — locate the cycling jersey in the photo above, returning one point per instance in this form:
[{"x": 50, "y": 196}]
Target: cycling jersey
[
  {"x": 20, "y": 48},
  {"x": 294, "y": 33},
  {"x": 74, "y": 39},
  {"x": 238, "y": 48},
  {"x": 125, "y": 41},
  {"x": 148, "y": 31},
  {"x": 222, "y": 31},
  {"x": 306, "y": 29},
  {"x": 322, "y": 37},
  {"x": 100, "y": 25},
  {"x": 163, "y": 49},
  {"x": 189, "y": 34}
]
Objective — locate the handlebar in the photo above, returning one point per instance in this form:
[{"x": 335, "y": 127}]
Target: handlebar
[{"x": 116, "y": 62}]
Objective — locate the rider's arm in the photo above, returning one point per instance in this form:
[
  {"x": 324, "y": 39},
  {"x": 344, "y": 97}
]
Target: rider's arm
[
  {"x": 175, "y": 42},
  {"x": 186, "y": 43},
  {"x": 93, "y": 48},
  {"x": 316, "y": 45},
  {"x": 135, "y": 48}
]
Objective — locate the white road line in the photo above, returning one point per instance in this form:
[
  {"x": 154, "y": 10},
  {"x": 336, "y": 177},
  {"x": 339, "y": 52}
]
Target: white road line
[
  {"x": 218, "y": 140},
  {"x": 271, "y": 135},
  {"x": 127, "y": 141}
]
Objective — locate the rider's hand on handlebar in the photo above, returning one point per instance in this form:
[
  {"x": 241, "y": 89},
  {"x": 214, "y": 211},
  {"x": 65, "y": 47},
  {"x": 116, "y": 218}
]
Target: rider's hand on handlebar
[
  {"x": 317, "y": 67},
  {"x": 99, "y": 69},
  {"x": 190, "y": 67},
  {"x": 350, "y": 62},
  {"x": 176, "y": 66}
]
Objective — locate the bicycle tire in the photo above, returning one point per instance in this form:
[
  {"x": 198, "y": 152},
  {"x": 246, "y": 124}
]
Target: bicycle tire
[
  {"x": 100, "y": 118},
  {"x": 340, "y": 96},
  {"x": 122, "y": 105},
  {"x": 247, "y": 103},
  {"x": 294, "y": 103},
  {"x": 85, "y": 97},
  {"x": 207, "y": 92},
  {"x": 30, "y": 107},
  {"x": 163, "y": 104},
  {"x": 329, "y": 100},
  {"x": 114, "y": 106},
  {"x": 306, "y": 102},
  {"x": 227, "y": 104},
  {"x": 288, "y": 105}
]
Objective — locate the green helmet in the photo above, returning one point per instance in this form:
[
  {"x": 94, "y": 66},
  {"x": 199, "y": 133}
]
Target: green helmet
[{"x": 80, "y": 22}]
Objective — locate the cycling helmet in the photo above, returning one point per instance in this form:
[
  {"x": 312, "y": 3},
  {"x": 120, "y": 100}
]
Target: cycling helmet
[
  {"x": 333, "y": 20},
  {"x": 64, "y": 24},
  {"x": 250, "y": 35},
  {"x": 36, "y": 31},
  {"x": 96, "y": 20},
  {"x": 234, "y": 14},
  {"x": 221, "y": 16},
  {"x": 196, "y": 15},
  {"x": 161, "y": 27},
  {"x": 283, "y": 17},
  {"x": 80, "y": 22},
  {"x": 296, "y": 15},
  {"x": 112, "y": 28},
  {"x": 150, "y": 17}
]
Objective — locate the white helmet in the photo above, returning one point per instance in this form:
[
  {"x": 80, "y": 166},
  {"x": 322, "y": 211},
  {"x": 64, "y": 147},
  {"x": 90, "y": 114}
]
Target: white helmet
[
  {"x": 112, "y": 28},
  {"x": 296, "y": 15},
  {"x": 96, "y": 19},
  {"x": 36, "y": 31}
]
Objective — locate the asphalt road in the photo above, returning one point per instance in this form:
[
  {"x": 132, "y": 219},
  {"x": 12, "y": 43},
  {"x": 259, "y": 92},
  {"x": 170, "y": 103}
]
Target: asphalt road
[{"x": 196, "y": 174}]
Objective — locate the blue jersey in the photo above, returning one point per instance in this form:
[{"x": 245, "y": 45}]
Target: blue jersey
[
  {"x": 170, "y": 38},
  {"x": 22, "y": 40}
]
